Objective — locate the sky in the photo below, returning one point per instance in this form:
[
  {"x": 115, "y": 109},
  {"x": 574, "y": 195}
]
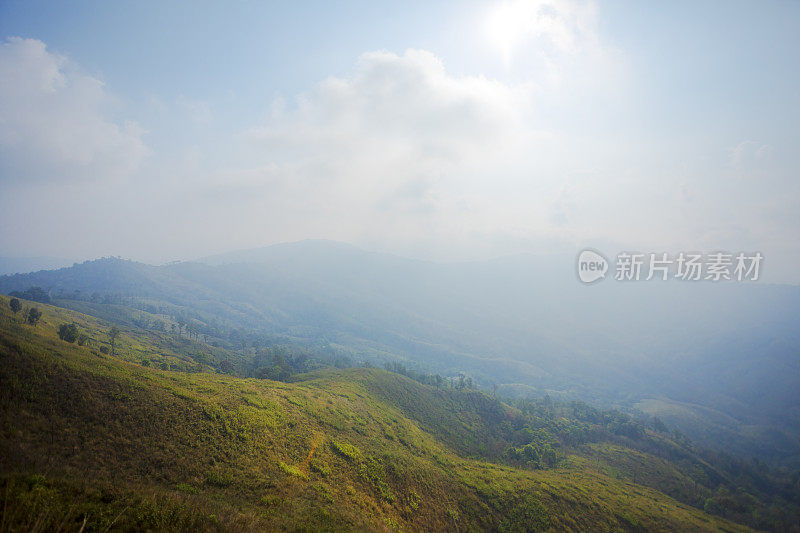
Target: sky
[{"x": 163, "y": 131}]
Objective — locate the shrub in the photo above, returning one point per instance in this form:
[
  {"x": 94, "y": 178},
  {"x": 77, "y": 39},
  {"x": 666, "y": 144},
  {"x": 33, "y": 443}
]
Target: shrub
[
  {"x": 219, "y": 479},
  {"x": 346, "y": 450},
  {"x": 320, "y": 468},
  {"x": 185, "y": 487},
  {"x": 373, "y": 471},
  {"x": 526, "y": 515},
  {"x": 33, "y": 316},
  {"x": 413, "y": 499},
  {"x": 292, "y": 470},
  {"x": 68, "y": 332},
  {"x": 104, "y": 349}
]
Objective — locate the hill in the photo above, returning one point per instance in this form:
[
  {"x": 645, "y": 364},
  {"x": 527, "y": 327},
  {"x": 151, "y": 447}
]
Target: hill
[
  {"x": 101, "y": 441},
  {"x": 521, "y": 323},
  {"x": 106, "y": 439}
]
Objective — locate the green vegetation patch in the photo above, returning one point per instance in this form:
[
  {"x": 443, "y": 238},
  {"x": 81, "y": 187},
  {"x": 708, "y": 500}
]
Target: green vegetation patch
[
  {"x": 292, "y": 470},
  {"x": 346, "y": 450}
]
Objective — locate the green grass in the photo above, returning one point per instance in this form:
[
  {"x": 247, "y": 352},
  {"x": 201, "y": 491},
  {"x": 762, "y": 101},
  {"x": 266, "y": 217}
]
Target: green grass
[{"x": 90, "y": 437}]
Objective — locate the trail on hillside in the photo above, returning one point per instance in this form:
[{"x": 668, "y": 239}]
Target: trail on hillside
[{"x": 319, "y": 438}]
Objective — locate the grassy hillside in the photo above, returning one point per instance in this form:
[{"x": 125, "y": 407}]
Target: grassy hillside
[
  {"x": 521, "y": 323},
  {"x": 89, "y": 440}
]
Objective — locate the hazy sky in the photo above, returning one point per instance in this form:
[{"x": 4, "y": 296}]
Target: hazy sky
[{"x": 168, "y": 130}]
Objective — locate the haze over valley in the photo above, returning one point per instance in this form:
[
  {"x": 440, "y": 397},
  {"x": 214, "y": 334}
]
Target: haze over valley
[{"x": 514, "y": 265}]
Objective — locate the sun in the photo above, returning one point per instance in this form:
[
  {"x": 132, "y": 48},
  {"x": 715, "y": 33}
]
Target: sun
[{"x": 506, "y": 24}]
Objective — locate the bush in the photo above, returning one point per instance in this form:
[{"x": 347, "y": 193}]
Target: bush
[
  {"x": 185, "y": 487},
  {"x": 68, "y": 332},
  {"x": 104, "y": 349},
  {"x": 33, "y": 316},
  {"x": 346, "y": 450},
  {"x": 219, "y": 479},
  {"x": 527, "y": 515},
  {"x": 292, "y": 470},
  {"x": 320, "y": 468}
]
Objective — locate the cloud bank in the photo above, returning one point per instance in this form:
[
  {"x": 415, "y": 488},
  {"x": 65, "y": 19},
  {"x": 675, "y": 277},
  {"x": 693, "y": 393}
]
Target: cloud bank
[
  {"x": 58, "y": 123},
  {"x": 398, "y": 154}
]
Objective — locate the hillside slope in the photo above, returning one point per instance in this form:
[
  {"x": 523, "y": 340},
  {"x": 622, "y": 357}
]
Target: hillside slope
[
  {"x": 90, "y": 439},
  {"x": 523, "y": 323}
]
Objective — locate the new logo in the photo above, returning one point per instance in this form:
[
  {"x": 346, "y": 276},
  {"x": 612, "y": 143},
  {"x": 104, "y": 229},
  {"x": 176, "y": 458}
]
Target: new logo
[{"x": 591, "y": 266}]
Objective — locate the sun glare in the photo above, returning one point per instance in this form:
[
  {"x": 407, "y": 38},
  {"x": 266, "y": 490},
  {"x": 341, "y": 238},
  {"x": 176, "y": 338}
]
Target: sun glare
[{"x": 505, "y": 26}]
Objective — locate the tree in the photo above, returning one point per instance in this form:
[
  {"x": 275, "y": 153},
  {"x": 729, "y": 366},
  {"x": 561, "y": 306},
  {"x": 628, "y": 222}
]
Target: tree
[
  {"x": 33, "y": 316},
  {"x": 37, "y": 294},
  {"x": 68, "y": 332},
  {"x": 226, "y": 367},
  {"x": 113, "y": 334},
  {"x": 15, "y": 305}
]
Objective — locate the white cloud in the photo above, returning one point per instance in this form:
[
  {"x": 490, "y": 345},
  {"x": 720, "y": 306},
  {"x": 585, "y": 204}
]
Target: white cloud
[
  {"x": 749, "y": 158},
  {"x": 554, "y": 43},
  {"x": 400, "y": 99},
  {"x": 398, "y": 154},
  {"x": 387, "y": 150},
  {"x": 56, "y": 122}
]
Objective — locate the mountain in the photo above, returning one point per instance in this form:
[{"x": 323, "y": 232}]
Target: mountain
[
  {"x": 94, "y": 441},
  {"x": 720, "y": 361}
]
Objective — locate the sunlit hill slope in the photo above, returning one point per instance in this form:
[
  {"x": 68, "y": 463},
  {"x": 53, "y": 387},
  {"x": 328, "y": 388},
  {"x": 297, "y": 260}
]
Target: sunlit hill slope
[{"x": 94, "y": 441}]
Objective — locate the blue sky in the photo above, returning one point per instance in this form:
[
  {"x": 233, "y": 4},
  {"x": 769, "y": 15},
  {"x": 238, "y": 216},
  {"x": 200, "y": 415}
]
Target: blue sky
[{"x": 445, "y": 130}]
